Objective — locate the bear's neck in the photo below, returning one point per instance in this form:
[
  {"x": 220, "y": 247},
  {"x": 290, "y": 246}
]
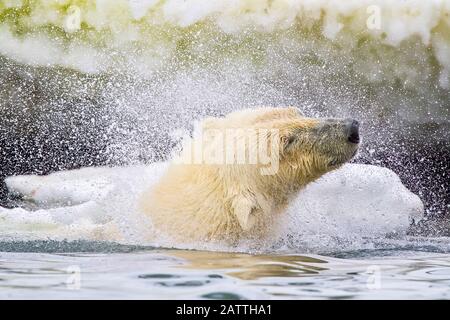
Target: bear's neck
[{"x": 283, "y": 187}]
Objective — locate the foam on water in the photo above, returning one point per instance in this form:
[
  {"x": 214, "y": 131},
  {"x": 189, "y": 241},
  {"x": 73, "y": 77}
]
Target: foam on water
[{"x": 351, "y": 204}]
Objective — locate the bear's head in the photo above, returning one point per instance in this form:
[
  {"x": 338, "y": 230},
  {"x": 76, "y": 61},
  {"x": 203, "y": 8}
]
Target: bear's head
[
  {"x": 310, "y": 147},
  {"x": 301, "y": 146},
  {"x": 274, "y": 153},
  {"x": 237, "y": 172}
]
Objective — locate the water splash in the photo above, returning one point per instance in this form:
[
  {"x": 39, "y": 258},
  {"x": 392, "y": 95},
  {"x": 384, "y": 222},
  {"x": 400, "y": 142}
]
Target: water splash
[
  {"x": 341, "y": 210},
  {"x": 106, "y": 82}
]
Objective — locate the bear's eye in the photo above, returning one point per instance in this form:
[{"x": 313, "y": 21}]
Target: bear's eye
[{"x": 289, "y": 141}]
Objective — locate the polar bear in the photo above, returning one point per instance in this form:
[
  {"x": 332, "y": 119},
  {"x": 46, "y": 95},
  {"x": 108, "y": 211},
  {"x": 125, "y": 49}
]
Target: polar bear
[{"x": 226, "y": 189}]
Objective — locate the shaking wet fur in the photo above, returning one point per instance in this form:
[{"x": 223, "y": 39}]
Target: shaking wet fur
[{"x": 230, "y": 201}]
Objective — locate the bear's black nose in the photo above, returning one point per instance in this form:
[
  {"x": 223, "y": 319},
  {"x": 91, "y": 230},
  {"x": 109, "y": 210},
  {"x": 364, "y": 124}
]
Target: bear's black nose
[{"x": 353, "y": 131}]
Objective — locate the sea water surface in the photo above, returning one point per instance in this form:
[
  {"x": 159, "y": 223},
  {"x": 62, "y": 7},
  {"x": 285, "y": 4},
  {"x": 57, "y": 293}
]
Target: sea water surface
[{"x": 109, "y": 271}]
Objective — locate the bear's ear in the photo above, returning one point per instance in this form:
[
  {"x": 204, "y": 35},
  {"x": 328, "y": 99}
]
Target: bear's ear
[
  {"x": 245, "y": 212},
  {"x": 295, "y": 112},
  {"x": 210, "y": 123}
]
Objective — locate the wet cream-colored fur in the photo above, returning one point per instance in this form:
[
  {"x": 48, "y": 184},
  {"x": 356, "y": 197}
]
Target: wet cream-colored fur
[{"x": 233, "y": 201}]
